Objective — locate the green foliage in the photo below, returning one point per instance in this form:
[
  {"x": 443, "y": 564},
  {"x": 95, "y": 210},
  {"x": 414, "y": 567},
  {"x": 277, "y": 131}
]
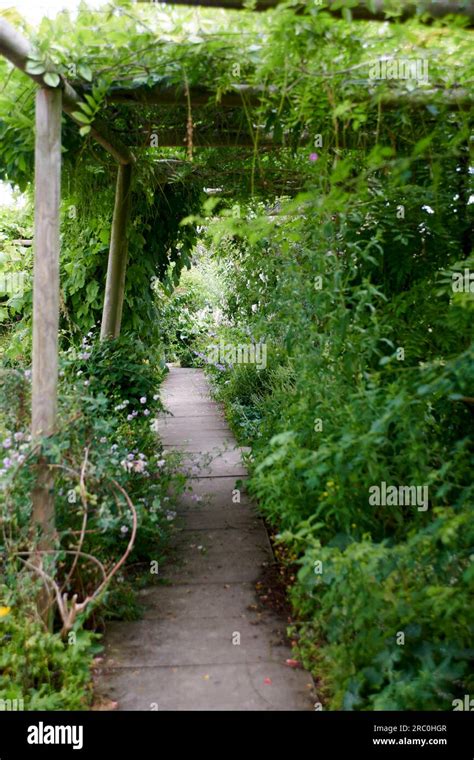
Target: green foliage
[
  {"x": 389, "y": 625},
  {"x": 368, "y": 379},
  {"x": 40, "y": 668},
  {"x": 105, "y": 447},
  {"x": 121, "y": 368},
  {"x": 186, "y": 315}
]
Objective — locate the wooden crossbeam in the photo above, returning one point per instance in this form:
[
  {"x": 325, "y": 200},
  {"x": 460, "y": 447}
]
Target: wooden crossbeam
[
  {"x": 377, "y": 10},
  {"x": 167, "y": 97}
]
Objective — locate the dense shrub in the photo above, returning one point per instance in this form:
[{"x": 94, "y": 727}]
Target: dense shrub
[
  {"x": 105, "y": 447},
  {"x": 368, "y": 380}
]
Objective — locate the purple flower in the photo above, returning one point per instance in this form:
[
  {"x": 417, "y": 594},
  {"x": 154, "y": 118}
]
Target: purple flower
[{"x": 313, "y": 156}]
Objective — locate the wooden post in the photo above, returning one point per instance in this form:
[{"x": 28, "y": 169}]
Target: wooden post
[
  {"x": 118, "y": 255},
  {"x": 45, "y": 309}
]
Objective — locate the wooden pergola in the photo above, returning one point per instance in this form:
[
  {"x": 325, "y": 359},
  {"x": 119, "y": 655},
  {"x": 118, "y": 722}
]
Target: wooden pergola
[{"x": 50, "y": 102}]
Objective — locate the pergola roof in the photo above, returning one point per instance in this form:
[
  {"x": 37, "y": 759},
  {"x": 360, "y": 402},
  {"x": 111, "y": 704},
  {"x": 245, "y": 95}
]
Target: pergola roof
[{"x": 222, "y": 127}]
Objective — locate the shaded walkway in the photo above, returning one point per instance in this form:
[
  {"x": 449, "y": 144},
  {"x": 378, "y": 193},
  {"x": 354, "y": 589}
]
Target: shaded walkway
[{"x": 204, "y": 642}]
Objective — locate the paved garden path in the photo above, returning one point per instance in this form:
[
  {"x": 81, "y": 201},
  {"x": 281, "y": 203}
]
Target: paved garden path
[{"x": 205, "y": 643}]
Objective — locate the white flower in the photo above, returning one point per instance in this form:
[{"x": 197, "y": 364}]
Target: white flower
[
  {"x": 161, "y": 463},
  {"x": 146, "y": 412},
  {"x": 124, "y": 529},
  {"x": 143, "y": 400},
  {"x": 156, "y": 397},
  {"x": 103, "y": 439},
  {"x": 129, "y": 417}
]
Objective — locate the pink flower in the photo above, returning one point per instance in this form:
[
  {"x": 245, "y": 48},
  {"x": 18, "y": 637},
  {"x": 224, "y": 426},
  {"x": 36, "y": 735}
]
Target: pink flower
[{"x": 313, "y": 156}]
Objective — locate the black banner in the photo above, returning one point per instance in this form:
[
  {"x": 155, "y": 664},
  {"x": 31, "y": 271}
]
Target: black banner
[{"x": 137, "y": 734}]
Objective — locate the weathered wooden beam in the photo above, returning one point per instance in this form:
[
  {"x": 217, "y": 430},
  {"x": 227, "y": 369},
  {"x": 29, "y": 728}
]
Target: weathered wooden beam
[
  {"x": 455, "y": 98},
  {"x": 376, "y": 10},
  {"x": 165, "y": 96},
  {"x": 17, "y": 50},
  {"x": 118, "y": 255},
  {"x": 169, "y": 95},
  {"x": 45, "y": 312}
]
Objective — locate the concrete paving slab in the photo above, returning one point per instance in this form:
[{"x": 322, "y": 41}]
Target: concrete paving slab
[
  {"x": 223, "y": 541},
  {"x": 205, "y": 641},
  {"x": 199, "y": 438},
  {"x": 208, "y": 519},
  {"x": 212, "y": 463},
  {"x": 264, "y": 686},
  {"x": 217, "y": 567},
  {"x": 199, "y": 601},
  {"x": 219, "y": 492},
  {"x": 190, "y": 424}
]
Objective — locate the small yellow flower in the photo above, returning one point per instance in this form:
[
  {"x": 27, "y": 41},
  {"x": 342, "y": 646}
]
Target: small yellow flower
[{"x": 4, "y": 611}]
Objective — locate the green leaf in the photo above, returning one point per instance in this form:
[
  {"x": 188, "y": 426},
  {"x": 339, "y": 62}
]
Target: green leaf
[
  {"x": 34, "y": 67},
  {"x": 85, "y": 130},
  {"x": 80, "y": 117},
  {"x": 90, "y": 100},
  {"x": 51, "y": 79},
  {"x": 85, "y": 72},
  {"x": 87, "y": 109}
]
